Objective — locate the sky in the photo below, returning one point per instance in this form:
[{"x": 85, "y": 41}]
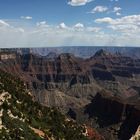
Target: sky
[{"x": 51, "y": 23}]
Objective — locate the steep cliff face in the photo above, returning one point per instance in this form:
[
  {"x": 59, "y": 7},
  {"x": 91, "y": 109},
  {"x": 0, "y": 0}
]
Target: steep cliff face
[
  {"x": 61, "y": 81},
  {"x": 109, "y": 110}
]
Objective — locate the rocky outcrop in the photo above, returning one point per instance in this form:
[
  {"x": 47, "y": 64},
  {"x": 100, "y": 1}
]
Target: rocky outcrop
[
  {"x": 93, "y": 134},
  {"x": 137, "y": 135},
  {"x": 7, "y": 56}
]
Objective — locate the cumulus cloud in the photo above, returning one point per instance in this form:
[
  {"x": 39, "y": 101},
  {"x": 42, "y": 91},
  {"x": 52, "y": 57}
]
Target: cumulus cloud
[
  {"x": 131, "y": 19},
  {"x": 122, "y": 31},
  {"x": 99, "y": 9},
  {"x": 26, "y": 17},
  {"x": 104, "y": 20},
  {"x": 116, "y": 9},
  {"x": 62, "y": 26},
  {"x": 42, "y": 24},
  {"x": 127, "y": 24},
  {"x": 50, "y": 35},
  {"x": 78, "y": 2},
  {"x": 118, "y": 14},
  {"x": 79, "y": 25}
]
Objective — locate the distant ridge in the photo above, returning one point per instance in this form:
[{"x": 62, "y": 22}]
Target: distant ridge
[
  {"x": 102, "y": 53},
  {"x": 87, "y": 51}
]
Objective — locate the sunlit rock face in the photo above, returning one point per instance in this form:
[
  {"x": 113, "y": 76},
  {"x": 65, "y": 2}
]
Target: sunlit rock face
[{"x": 137, "y": 135}]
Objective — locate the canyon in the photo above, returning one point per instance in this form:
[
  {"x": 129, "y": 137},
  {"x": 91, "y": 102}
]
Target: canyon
[{"x": 101, "y": 91}]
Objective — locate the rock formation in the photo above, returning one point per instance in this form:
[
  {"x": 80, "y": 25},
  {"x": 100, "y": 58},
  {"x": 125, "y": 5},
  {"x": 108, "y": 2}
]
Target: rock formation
[{"x": 103, "y": 88}]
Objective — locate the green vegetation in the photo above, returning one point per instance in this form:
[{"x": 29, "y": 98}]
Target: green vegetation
[{"x": 28, "y": 114}]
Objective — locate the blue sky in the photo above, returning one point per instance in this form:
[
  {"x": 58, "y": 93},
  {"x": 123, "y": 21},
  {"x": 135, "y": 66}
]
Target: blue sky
[{"x": 40, "y": 23}]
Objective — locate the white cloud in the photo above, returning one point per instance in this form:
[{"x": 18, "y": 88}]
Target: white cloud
[
  {"x": 93, "y": 29},
  {"x": 122, "y": 31},
  {"x": 3, "y": 23},
  {"x": 10, "y": 35},
  {"x": 116, "y": 9},
  {"x": 79, "y": 25},
  {"x": 99, "y": 9},
  {"x": 127, "y": 24},
  {"x": 4, "y": 26},
  {"x": 118, "y": 14},
  {"x": 78, "y": 2},
  {"x": 131, "y": 19},
  {"x": 104, "y": 20},
  {"x": 62, "y": 26},
  {"x": 26, "y": 17},
  {"x": 42, "y": 24}
]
